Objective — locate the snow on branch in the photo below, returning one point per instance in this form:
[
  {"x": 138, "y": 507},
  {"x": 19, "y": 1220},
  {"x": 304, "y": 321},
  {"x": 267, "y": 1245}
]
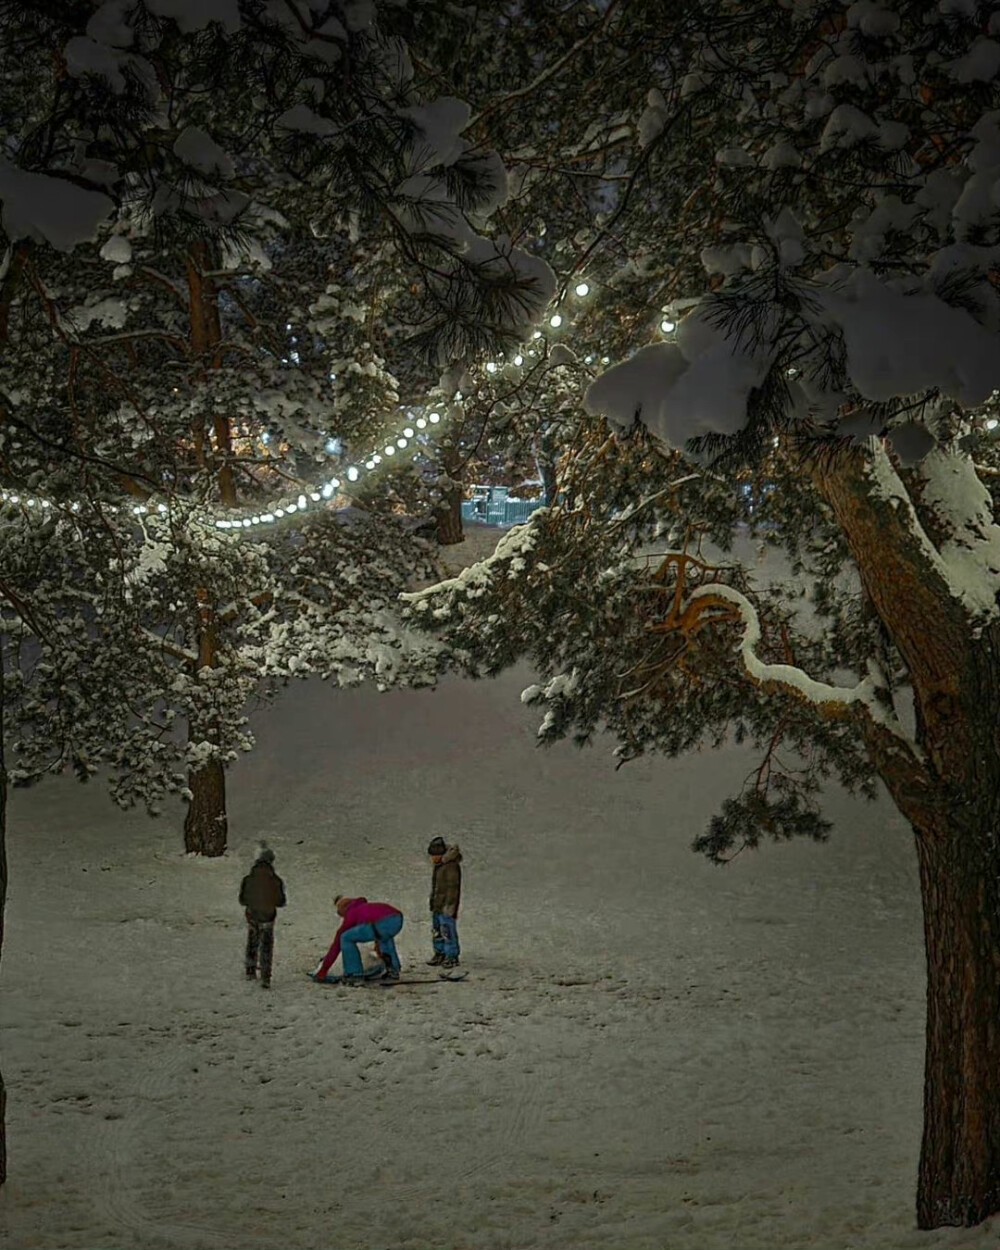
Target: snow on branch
[
  {"x": 830, "y": 700},
  {"x": 968, "y": 561},
  {"x": 475, "y": 579},
  {"x": 970, "y": 556}
]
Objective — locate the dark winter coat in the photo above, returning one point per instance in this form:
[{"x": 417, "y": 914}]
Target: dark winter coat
[
  {"x": 446, "y": 883},
  {"x": 262, "y": 892}
]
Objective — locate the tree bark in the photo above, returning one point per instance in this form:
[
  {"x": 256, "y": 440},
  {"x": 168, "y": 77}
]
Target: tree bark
[
  {"x": 206, "y": 335},
  {"x": 206, "y": 825},
  {"x": 959, "y": 1177},
  {"x": 449, "y": 518},
  {"x": 546, "y": 455},
  {"x": 3, "y": 896},
  {"x": 949, "y": 790}
]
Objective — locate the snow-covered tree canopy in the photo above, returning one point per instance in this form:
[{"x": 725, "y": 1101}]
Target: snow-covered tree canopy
[
  {"x": 804, "y": 212},
  {"x": 222, "y": 220}
]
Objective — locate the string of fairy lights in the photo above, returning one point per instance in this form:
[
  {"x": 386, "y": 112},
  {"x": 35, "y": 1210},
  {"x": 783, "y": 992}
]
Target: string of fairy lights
[{"x": 321, "y": 493}]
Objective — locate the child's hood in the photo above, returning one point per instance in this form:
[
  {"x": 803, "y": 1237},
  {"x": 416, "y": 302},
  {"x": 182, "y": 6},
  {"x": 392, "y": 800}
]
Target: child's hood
[{"x": 452, "y": 854}]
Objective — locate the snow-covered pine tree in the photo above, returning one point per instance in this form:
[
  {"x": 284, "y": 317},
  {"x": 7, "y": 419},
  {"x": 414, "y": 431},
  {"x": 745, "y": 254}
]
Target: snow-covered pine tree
[
  {"x": 275, "y": 196},
  {"x": 816, "y": 179}
]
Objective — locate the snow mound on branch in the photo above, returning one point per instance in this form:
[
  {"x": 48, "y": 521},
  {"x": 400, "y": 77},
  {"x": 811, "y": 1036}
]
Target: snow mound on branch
[
  {"x": 109, "y": 26},
  {"x": 192, "y": 15},
  {"x": 197, "y": 148},
  {"x": 897, "y": 344},
  {"x": 903, "y": 344},
  {"x": 50, "y": 210},
  {"x": 117, "y": 249},
  {"x": 87, "y": 56},
  {"x": 653, "y": 118},
  {"x": 699, "y": 385},
  {"x": 302, "y": 117},
  {"x": 440, "y": 123}
]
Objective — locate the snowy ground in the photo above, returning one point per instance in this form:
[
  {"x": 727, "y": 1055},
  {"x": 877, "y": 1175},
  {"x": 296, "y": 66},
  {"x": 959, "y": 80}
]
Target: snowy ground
[{"x": 649, "y": 1052}]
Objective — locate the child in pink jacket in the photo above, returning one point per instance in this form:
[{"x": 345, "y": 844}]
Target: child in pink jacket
[{"x": 362, "y": 921}]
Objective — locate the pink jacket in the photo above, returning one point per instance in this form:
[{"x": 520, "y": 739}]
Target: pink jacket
[{"x": 359, "y": 911}]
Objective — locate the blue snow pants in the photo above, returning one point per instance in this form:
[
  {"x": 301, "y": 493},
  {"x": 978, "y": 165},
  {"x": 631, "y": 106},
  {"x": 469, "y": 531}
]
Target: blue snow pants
[
  {"x": 382, "y": 931},
  {"x": 444, "y": 934}
]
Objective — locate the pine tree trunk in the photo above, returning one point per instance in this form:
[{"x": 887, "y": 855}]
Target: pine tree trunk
[
  {"x": 949, "y": 790},
  {"x": 3, "y": 899},
  {"x": 206, "y": 825},
  {"x": 206, "y": 335},
  {"x": 959, "y": 1177},
  {"x": 449, "y": 519}
]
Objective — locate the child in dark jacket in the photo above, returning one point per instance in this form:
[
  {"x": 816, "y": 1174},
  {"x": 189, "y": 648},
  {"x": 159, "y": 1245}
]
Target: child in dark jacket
[
  {"x": 446, "y": 893},
  {"x": 262, "y": 892}
]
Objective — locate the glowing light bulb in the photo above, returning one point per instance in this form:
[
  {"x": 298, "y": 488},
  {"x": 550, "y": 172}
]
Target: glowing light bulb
[
  {"x": 255, "y": 520},
  {"x": 353, "y": 474},
  {"x": 314, "y": 496},
  {"x": 390, "y": 450},
  {"x": 222, "y": 525},
  {"x": 369, "y": 464},
  {"x": 992, "y": 423},
  {"x": 302, "y": 502},
  {"x": 279, "y": 512},
  {"x": 536, "y": 334},
  {"x": 491, "y": 366},
  {"x": 667, "y": 326},
  {"x": 377, "y": 459},
  {"x": 555, "y": 321},
  {"x": 582, "y": 289},
  {"x": 268, "y": 517},
  {"x": 519, "y": 359},
  {"x": 246, "y": 522},
  {"x": 407, "y": 433},
  {"x": 161, "y": 508},
  {"x": 291, "y": 508},
  {"x": 401, "y": 442},
  {"x": 434, "y": 418},
  {"x": 421, "y": 423}
]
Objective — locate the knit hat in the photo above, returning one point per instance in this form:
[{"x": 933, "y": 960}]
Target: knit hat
[
  {"x": 438, "y": 846},
  {"x": 264, "y": 854}
]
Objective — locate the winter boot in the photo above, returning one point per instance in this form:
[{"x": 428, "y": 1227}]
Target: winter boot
[
  {"x": 449, "y": 963},
  {"x": 390, "y": 974},
  {"x": 436, "y": 958}
]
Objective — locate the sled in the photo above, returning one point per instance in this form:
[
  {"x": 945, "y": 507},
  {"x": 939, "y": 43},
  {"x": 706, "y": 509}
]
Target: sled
[
  {"x": 441, "y": 976},
  {"x": 372, "y": 974}
]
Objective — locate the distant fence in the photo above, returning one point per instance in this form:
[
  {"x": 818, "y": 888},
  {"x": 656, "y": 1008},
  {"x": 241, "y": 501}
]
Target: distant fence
[{"x": 498, "y": 509}]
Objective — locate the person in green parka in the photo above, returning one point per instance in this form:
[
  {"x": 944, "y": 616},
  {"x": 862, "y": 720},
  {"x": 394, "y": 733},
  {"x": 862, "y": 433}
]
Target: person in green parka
[{"x": 446, "y": 893}]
